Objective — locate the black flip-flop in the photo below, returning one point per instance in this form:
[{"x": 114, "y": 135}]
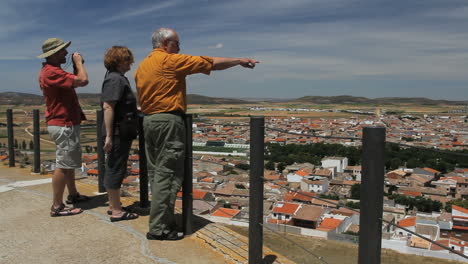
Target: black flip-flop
[
  {"x": 124, "y": 208},
  {"x": 125, "y": 216}
]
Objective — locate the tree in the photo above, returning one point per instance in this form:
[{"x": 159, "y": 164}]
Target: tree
[
  {"x": 281, "y": 166},
  {"x": 421, "y": 203},
  {"x": 391, "y": 189},
  {"x": 354, "y": 205},
  {"x": 16, "y": 143},
  {"x": 243, "y": 166},
  {"x": 356, "y": 191},
  {"x": 23, "y": 144},
  {"x": 31, "y": 145},
  {"x": 270, "y": 165},
  {"x": 329, "y": 196},
  {"x": 461, "y": 203}
]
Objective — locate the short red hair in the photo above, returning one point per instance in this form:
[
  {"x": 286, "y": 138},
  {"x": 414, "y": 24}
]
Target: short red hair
[{"x": 116, "y": 56}]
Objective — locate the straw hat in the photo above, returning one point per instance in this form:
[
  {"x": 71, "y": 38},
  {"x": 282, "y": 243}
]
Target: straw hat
[{"x": 53, "y": 45}]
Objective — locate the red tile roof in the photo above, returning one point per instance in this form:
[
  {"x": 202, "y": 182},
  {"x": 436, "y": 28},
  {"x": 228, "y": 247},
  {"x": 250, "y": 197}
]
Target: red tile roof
[
  {"x": 460, "y": 227},
  {"x": 286, "y": 208},
  {"x": 302, "y": 173},
  {"x": 225, "y": 212},
  {"x": 134, "y": 157},
  {"x": 407, "y": 222},
  {"x": 411, "y": 193},
  {"x": 91, "y": 157},
  {"x": 442, "y": 242},
  {"x": 304, "y": 196},
  {"x": 207, "y": 179},
  {"x": 460, "y": 209},
  {"x": 93, "y": 171},
  {"x": 432, "y": 170},
  {"x": 329, "y": 224},
  {"x": 196, "y": 194}
]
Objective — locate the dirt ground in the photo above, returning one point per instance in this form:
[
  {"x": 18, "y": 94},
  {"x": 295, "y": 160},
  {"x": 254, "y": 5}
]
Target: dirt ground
[{"x": 332, "y": 251}]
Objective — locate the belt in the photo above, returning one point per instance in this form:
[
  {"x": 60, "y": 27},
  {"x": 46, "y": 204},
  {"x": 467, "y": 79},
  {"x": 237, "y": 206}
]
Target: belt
[{"x": 176, "y": 112}]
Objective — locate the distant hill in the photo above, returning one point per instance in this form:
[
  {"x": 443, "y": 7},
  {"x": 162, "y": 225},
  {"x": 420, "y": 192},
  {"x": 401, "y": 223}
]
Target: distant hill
[
  {"x": 346, "y": 99},
  {"x": 15, "y": 98},
  {"x": 201, "y": 99}
]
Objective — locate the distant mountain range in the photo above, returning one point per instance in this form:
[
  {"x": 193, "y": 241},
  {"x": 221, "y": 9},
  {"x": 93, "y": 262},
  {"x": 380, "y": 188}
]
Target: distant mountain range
[
  {"x": 15, "y": 98},
  {"x": 346, "y": 99}
]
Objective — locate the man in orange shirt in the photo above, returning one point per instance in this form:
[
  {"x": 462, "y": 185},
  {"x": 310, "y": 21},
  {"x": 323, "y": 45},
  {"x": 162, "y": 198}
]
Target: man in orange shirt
[{"x": 161, "y": 92}]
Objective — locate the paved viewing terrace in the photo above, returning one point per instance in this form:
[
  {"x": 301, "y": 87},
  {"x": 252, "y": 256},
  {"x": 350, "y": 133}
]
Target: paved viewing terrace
[{"x": 29, "y": 235}]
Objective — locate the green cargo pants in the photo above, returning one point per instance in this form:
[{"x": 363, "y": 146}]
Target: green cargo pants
[{"x": 165, "y": 148}]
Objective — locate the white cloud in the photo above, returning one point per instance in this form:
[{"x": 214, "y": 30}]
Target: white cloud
[
  {"x": 140, "y": 11},
  {"x": 217, "y": 46}
]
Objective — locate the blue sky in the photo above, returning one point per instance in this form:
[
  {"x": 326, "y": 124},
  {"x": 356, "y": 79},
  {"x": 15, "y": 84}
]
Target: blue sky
[{"x": 371, "y": 48}]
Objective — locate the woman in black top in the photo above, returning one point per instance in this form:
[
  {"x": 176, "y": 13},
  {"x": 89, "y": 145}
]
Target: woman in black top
[{"x": 119, "y": 106}]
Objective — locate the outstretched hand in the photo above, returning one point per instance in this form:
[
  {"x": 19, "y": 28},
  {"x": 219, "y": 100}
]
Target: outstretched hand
[{"x": 248, "y": 63}]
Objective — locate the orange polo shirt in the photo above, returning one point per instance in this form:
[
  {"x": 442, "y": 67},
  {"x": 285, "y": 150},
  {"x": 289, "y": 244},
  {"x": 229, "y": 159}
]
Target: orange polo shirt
[{"x": 160, "y": 80}]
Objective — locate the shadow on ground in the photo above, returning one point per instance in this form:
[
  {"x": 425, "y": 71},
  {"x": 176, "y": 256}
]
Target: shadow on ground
[{"x": 197, "y": 223}]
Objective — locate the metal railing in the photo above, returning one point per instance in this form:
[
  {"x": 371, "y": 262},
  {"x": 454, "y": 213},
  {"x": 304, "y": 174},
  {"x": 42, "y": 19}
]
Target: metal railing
[{"x": 373, "y": 168}]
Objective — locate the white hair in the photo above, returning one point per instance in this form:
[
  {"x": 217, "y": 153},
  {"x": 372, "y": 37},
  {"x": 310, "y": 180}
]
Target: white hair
[{"x": 160, "y": 35}]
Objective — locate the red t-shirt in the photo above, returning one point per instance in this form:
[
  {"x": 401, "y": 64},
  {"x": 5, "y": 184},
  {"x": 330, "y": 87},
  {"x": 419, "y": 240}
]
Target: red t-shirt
[{"x": 62, "y": 106}]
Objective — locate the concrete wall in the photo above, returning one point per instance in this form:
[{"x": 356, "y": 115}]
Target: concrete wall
[
  {"x": 297, "y": 230},
  {"x": 401, "y": 247}
]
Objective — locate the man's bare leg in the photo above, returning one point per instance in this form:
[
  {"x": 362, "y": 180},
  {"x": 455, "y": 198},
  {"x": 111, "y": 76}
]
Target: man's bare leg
[
  {"x": 58, "y": 186},
  {"x": 70, "y": 181}
]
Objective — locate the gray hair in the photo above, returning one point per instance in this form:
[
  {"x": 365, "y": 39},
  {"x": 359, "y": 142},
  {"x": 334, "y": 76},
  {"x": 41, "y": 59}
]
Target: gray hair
[{"x": 160, "y": 35}]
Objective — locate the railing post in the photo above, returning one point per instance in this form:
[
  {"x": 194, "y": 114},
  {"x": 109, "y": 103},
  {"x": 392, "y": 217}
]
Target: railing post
[
  {"x": 257, "y": 148},
  {"x": 11, "y": 138},
  {"x": 372, "y": 187},
  {"x": 37, "y": 143},
  {"x": 100, "y": 151},
  {"x": 144, "y": 202},
  {"x": 187, "y": 185}
]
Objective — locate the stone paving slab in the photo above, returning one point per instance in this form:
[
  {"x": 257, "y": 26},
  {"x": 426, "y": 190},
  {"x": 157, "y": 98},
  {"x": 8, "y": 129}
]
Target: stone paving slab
[{"x": 29, "y": 235}]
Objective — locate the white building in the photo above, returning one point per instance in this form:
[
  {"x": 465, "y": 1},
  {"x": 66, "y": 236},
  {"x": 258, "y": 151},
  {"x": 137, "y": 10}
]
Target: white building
[
  {"x": 297, "y": 176},
  {"x": 320, "y": 186},
  {"x": 355, "y": 171},
  {"x": 340, "y": 163}
]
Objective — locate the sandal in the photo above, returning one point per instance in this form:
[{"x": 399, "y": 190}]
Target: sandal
[
  {"x": 76, "y": 198},
  {"x": 125, "y": 216},
  {"x": 64, "y": 211},
  {"x": 124, "y": 208}
]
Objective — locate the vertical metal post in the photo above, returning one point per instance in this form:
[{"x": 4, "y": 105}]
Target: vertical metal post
[
  {"x": 187, "y": 186},
  {"x": 144, "y": 202},
  {"x": 37, "y": 146},
  {"x": 372, "y": 189},
  {"x": 257, "y": 152},
  {"x": 11, "y": 138},
  {"x": 100, "y": 151}
]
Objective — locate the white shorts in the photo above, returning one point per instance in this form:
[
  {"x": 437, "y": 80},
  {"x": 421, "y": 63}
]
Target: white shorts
[{"x": 67, "y": 140}]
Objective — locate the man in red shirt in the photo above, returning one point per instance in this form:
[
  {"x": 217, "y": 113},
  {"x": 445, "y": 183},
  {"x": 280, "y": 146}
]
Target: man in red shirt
[{"x": 63, "y": 116}]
